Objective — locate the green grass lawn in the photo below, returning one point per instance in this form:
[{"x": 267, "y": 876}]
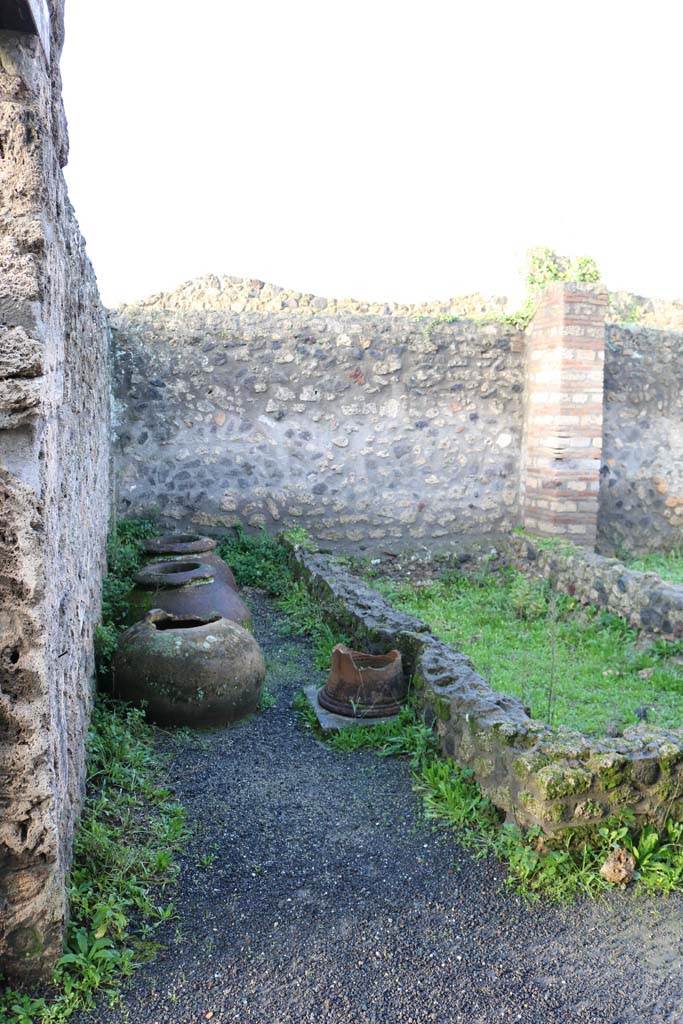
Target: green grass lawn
[
  {"x": 571, "y": 665},
  {"x": 667, "y": 564}
]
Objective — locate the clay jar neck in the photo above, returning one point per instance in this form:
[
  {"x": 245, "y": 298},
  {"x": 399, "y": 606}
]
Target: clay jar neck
[
  {"x": 170, "y": 575},
  {"x": 179, "y": 544}
]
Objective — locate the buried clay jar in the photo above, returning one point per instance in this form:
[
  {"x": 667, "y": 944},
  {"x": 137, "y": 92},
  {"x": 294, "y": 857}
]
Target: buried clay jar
[
  {"x": 189, "y": 670},
  {"x": 189, "y": 546},
  {"x": 185, "y": 588}
]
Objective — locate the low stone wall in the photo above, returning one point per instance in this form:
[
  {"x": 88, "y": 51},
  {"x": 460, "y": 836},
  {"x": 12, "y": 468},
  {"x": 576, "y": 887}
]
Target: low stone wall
[
  {"x": 646, "y": 602},
  {"x": 552, "y": 778}
]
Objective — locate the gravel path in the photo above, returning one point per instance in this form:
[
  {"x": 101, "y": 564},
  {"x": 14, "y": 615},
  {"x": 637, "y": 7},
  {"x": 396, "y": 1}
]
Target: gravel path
[{"x": 309, "y": 893}]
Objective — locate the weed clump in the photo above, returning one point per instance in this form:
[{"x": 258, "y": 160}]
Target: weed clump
[
  {"x": 124, "y": 864},
  {"x": 572, "y": 665},
  {"x": 124, "y": 558}
]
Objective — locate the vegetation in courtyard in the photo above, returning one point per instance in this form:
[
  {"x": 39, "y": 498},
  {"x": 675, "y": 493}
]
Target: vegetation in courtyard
[
  {"x": 261, "y": 561},
  {"x": 124, "y": 558},
  {"x": 559, "y": 869},
  {"x": 571, "y": 665},
  {"x": 667, "y": 564},
  {"x": 124, "y": 864}
]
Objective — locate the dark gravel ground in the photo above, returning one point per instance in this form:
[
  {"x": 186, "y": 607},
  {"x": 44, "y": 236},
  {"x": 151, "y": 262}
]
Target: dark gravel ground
[{"x": 309, "y": 893}]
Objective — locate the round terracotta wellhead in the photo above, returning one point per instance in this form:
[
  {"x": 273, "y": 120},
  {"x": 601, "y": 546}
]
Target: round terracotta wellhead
[
  {"x": 179, "y": 544},
  {"x": 354, "y": 709},
  {"x": 364, "y": 685},
  {"x": 172, "y": 574}
]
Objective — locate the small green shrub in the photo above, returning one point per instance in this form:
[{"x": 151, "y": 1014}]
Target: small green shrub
[
  {"x": 529, "y": 598},
  {"x": 124, "y": 864},
  {"x": 543, "y": 267},
  {"x": 299, "y": 537},
  {"x": 257, "y": 560},
  {"x": 124, "y": 558}
]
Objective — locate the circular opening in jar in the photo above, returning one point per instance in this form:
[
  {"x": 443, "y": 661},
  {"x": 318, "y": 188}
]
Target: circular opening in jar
[
  {"x": 190, "y": 623},
  {"x": 180, "y": 567}
]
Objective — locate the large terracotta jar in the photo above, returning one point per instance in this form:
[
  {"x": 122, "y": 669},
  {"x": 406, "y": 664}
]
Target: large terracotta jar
[
  {"x": 194, "y": 671},
  {"x": 174, "y": 546},
  {"x": 186, "y": 588},
  {"x": 364, "y": 685}
]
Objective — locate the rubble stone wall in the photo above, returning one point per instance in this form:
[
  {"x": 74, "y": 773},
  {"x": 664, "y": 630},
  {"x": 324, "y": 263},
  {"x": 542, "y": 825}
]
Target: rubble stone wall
[
  {"x": 644, "y": 600},
  {"x": 371, "y": 431},
  {"x": 54, "y": 503},
  {"x": 641, "y": 489},
  {"x": 378, "y": 429}
]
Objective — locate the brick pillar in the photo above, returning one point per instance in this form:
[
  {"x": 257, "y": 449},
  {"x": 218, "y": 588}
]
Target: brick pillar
[{"x": 561, "y": 454}]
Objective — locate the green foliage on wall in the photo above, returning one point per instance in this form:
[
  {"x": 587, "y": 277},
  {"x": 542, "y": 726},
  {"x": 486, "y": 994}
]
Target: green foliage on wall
[{"x": 544, "y": 266}]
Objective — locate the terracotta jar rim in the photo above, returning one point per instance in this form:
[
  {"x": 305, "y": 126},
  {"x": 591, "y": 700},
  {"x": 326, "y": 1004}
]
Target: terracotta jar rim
[
  {"x": 173, "y": 574},
  {"x": 179, "y": 544}
]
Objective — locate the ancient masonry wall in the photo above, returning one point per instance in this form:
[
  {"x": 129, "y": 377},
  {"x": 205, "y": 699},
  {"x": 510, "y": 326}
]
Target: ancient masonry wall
[
  {"x": 54, "y": 503},
  {"x": 643, "y": 599},
  {"x": 641, "y": 487},
  {"x": 371, "y": 431},
  {"x": 240, "y": 402}
]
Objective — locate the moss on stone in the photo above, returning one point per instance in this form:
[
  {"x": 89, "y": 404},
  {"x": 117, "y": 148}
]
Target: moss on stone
[
  {"x": 611, "y": 769},
  {"x": 589, "y": 809},
  {"x": 483, "y": 767},
  {"x": 532, "y": 804},
  {"x": 556, "y": 780}
]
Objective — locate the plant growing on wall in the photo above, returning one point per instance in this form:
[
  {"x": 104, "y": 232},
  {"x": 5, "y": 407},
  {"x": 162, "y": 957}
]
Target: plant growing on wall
[{"x": 544, "y": 266}]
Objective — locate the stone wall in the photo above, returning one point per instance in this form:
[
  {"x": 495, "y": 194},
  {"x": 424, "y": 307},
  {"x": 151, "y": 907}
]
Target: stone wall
[
  {"x": 644, "y": 600},
  {"x": 371, "y": 431},
  {"x": 54, "y": 502},
  {"x": 241, "y": 401},
  {"x": 220, "y": 293},
  {"x": 551, "y": 778},
  {"x": 641, "y": 491}
]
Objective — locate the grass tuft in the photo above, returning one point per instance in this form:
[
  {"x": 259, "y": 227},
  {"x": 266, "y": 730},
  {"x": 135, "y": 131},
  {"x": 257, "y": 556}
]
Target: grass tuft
[
  {"x": 667, "y": 564},
  {"x": 124, "y": 865},
  {"x": 572, "y": 665},
  {"x": 124, "y": 558},
  {"x": 259, "y": 560}
]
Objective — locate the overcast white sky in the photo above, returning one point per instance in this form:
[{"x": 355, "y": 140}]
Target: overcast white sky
[{"x": 376, "y": 148}]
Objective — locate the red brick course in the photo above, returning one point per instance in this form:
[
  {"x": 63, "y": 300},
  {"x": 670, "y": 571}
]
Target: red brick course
[{"x": 562, "y": 447}]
